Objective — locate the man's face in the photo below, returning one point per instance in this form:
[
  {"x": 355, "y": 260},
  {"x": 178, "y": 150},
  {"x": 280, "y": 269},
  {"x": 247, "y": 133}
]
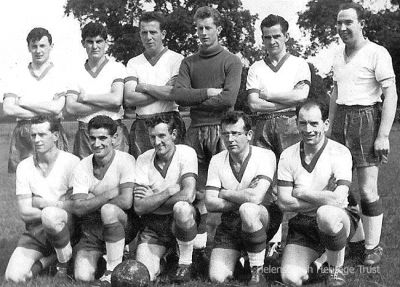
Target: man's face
[
  {"x": 40, "y": 50},
  {"x": 235, "y": 137},
  {"x": 95, "y": 47},
  {"x": 207, "y": 31},
  {"x": 348, "y": 26},
  {"x": 274, "y": 39},
  {"x": 101, "y": 142},
  {"x": 152, "y": 37},
  {"x": 42, "y": 138},
  {"x": 162, "y": 140},
  {"x": 311, "y": 126}
]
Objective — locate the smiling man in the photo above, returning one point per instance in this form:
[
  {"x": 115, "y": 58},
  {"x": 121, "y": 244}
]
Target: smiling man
[
  {"x": 208, "y": 82},
  {"x": 43, "y": 183},
  {"x": 33, "y": 90},
  {"x": 363, "y": 75},
  {"x": 238, "y": 179},
  {"x": 166, "y": 178},
  {"x": 150, "y": 78},
  {"x": 313, "y": 181},
  {"x": 102, "y": 198},
  {"x": 96, "y": 89}
]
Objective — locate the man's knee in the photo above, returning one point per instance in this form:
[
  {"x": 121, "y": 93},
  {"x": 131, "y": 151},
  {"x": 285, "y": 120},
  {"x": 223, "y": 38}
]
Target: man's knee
[
  {"x": 53, "y": 217},
  {"x": 293, "y": 275},
  {"x": 17, "y": 274},
  {"x": 109, "y": 213},
  {"x": 249, "y": 212},
  {"x": 327, "y": 219},
  {"x": 219, "y": 273},
  {"x": 183, "y": 211},
  {"x": 84, "y": 272}
]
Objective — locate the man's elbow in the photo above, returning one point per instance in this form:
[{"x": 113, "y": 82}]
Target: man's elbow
[{"x": 283, "y": 206}]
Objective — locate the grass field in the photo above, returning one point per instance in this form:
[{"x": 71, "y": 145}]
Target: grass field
[{"x": 387, "y": 274}]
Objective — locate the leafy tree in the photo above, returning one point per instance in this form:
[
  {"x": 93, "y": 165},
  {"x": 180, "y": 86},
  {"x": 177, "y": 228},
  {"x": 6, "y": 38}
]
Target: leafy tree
[{"x": 319, "y": 20}]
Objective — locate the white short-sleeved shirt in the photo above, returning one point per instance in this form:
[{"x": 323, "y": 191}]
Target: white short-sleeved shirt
[
  {"x": 158, "y": 73},
  {"x": 22, "y": 83},
  {"x": 99, "y": 82},
  {"x": 183, "y": 164},
  {"x": 120, "y": 173},
  {"x": 30, "y": 181},
  {"x": 284, "y": 77},
  {"x": 333, "y": 159},
  {"x": 260, "y": 163},
  {"x": 359, "y": 80}
]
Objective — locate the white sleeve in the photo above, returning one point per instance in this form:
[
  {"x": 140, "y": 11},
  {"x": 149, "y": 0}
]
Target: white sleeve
[
  {"x": 267, "y": 165},
  {"x": 189, "y": 161},
  {"x": 285, "y": 176},
  {"x": 342, "y": 166},
  {"x": 22, "y": 181},
  {"x": 141, "y": 171},
  {"x": 127, "y": 165},
  {"x": 213, "y": 179},
  {"x": 252, "y": 83},
  {"x": 303, "y": 72},
  {"x": 383, "y": 65}
]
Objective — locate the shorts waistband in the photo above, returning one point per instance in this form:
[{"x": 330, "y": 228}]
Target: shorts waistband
[
  {"x": 84, "y": 125},
  {"x": 29, "y": 121},
  {"x": 357, "y": 108},
  {"x": 145, "y": 117},
  {"x": 274, "y": 115}
]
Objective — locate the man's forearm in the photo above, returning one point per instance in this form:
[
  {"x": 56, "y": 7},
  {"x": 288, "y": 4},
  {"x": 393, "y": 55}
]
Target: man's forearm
[
  {"x": 150, "y": 203},
  {"x": 388, "y": 111}
]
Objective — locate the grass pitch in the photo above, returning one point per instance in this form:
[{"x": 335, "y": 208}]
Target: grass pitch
[{"x": 387, "y": 274}]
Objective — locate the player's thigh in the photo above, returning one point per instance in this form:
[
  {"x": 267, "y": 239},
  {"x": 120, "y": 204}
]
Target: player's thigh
[
  {"x": 368, "y": 182},
  {"x": 222, "y": 263},
  {"x": 150, "y": 255},
  {"x": 20, "y": 263},
  {"x": 296, "y": 260},
  {"x": 86, "y": 264}
]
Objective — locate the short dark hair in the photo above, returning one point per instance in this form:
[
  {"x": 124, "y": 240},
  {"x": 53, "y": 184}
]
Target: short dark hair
[
  {"x": 323, "y": 107},
  {"x": 94, "y": 29},
  {"x": 153, "y": 16},
  {"x": 38, "y": 33},
  {"x": 272, "y": 20},
  {"x": 166, "y": 119},
  {"x": 232, "y": 117},
  {"x": 104, "y": 122},
  {"x": 357, "y": 7},
  {"x": 53, "y": 122},
  {"x": 208, "y": 12}
]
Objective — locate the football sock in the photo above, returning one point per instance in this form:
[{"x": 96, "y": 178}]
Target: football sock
[
  {"x": 64, "y": 254},
  {"x": 372, "y": 221},
  {"x": 114, "y": 236},
  {"x": 185, "y": 252},
  {"x": 255, "y": 244},
  {"x": 335, "y": 258},
  {"x": 256, "y": 258},
  {"x": 320, "y": 260}
]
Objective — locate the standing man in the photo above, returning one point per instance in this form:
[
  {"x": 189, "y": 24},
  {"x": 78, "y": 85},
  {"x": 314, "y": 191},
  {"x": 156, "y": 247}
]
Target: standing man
[
  {"x": 208, "y": 82},
  {"x": 97, "y": 89},
  {"x": 362, "y": 73},
  {"x": 238, "y": 179},
  {"x": 43, "y": 182},
  {"x": 275, "y": 86},
  {"x": 150, "y": 78},
  {"x": 102, "y": 198},
  {"x": 166, "y": 178},
  {"x": 38, "y": 89},
  {"x": 313, "y": 181}
]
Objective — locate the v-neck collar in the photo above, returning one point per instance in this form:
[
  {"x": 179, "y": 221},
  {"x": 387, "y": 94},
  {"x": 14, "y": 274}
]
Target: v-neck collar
[
  {"x": 276, "y": 68},
  {"x": 98, "y": 70},
  {"x": 239, "y": 175},
  {"x": 43, "y": 74},
  {"x": 102, "y": 171},
  {"x": 163, "y": 171},
  {"x": 153, "y": 60},
  {"x": 310, "y": 167},
  {"x": 349, "y": 59},
  {"x": 36, "y": 164}
]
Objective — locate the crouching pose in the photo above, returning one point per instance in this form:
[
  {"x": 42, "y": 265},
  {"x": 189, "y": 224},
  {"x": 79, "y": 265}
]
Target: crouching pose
[
  {"x": 102, "y": 198},
  {"x": 166, "y": 184},
  {"x": 238, "y": 180},
  {"x": 313, "y": 180},
  {"x": 42, "y": 184}
]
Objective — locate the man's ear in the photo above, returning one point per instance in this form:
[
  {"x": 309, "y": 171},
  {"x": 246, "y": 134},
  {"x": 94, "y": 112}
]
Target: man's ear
[{"x": 219, "y": 29}]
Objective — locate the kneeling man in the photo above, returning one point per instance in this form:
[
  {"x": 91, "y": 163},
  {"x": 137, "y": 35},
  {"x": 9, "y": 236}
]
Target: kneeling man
[
  {"x": 238, "y": 179},
  {"x": 102, "y": 198},
  {"x": 43, "y": 181},
  {"x": 314, "y": 176},
  {"x": 166, "y": 188}
]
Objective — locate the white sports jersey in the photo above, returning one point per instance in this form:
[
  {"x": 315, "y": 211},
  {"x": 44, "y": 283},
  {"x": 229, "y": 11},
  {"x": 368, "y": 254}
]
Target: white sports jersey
[
  {"x": 120, "y": 174},
  {"x": 99, "y": 82},
  {"x": 359, "y": 79},
  {"x": 30, "y": 181},
  {"x": 263, "y": 76},
  {"x": 333, "y": 159},
  {"x": 24, "y": 84},
  {"x": 182, "y": 164},
  {"x": 158, "y": 73},
  {"x": 260, "y": 163}
]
